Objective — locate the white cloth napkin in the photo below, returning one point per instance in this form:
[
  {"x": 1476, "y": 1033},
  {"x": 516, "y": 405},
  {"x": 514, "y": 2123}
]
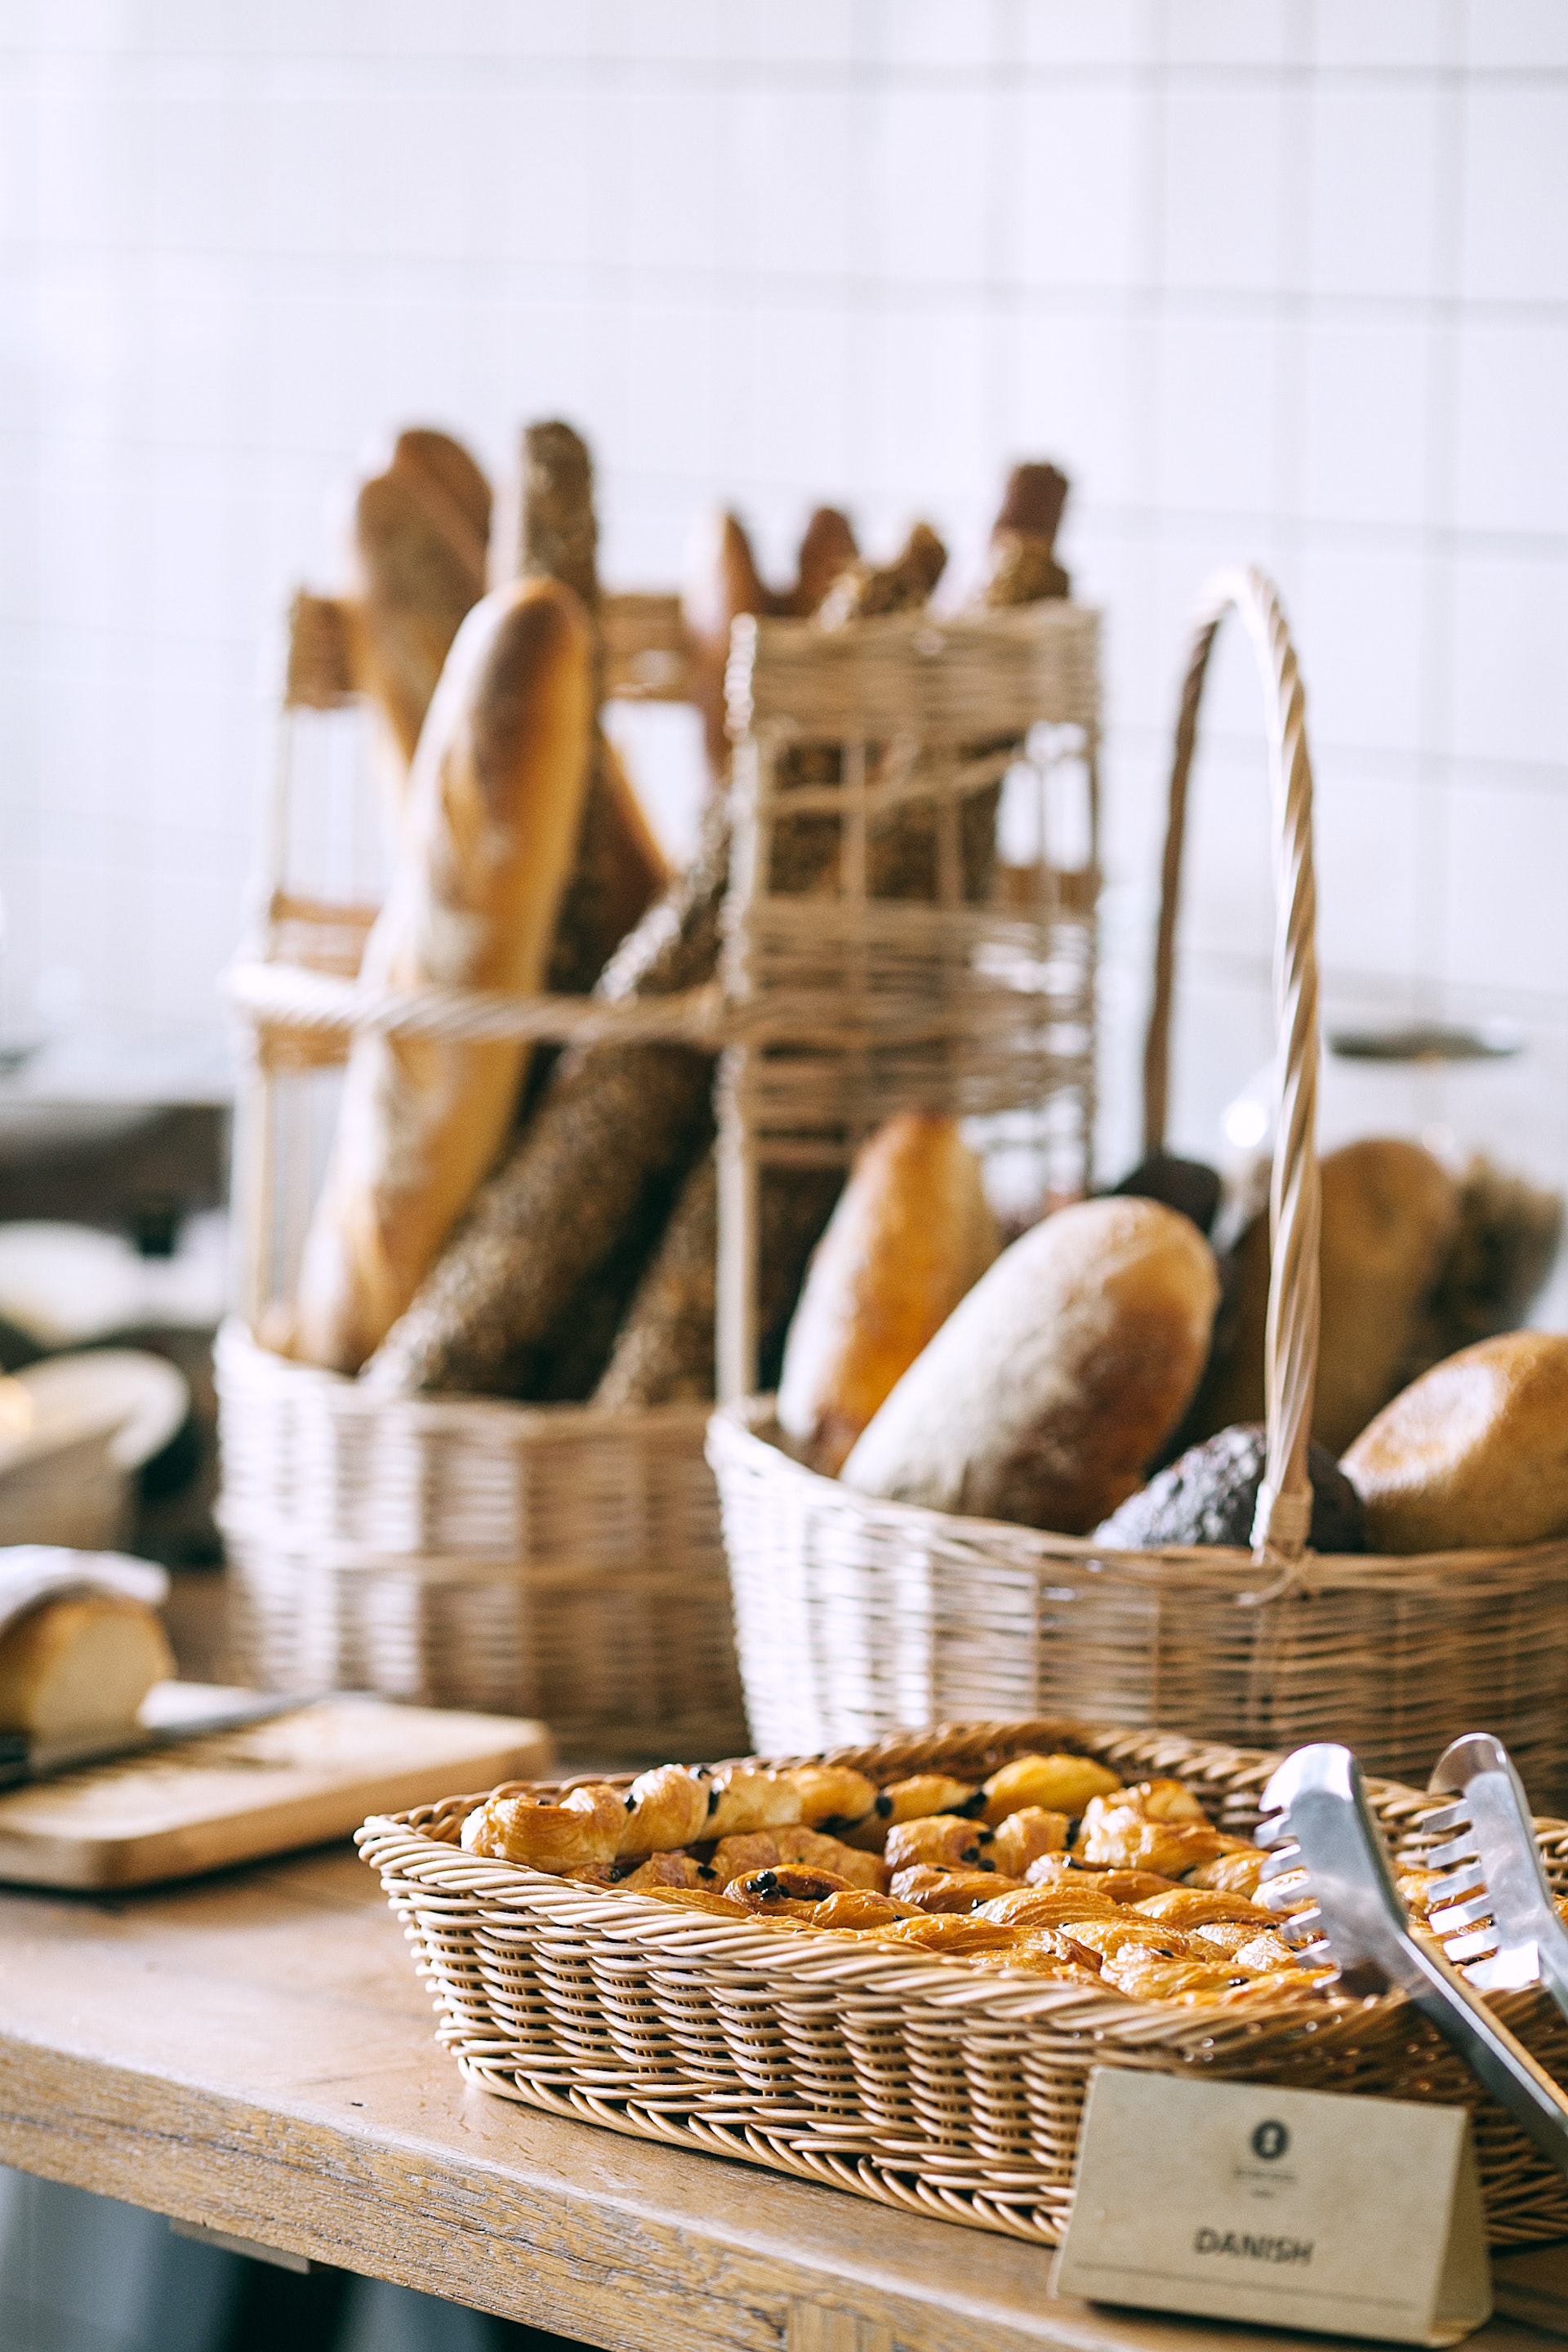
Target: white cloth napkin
[{"x": 33, "y": 1572}]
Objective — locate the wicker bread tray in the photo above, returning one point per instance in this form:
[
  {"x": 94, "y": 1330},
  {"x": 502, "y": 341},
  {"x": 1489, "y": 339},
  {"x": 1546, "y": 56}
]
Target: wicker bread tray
[
  {"x": 856, "y": 1617},
  {"x": 926, "y": 2083}
]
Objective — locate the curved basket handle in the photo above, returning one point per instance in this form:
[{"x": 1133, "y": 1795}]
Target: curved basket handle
[{"x": 1291, "y": 1349}]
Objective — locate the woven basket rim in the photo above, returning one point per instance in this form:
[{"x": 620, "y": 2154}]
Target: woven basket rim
[
  {"x": 745, "y": 1432},
  {"x": 404, "y": 1841},
  {"x": 238, "y": 1349}
]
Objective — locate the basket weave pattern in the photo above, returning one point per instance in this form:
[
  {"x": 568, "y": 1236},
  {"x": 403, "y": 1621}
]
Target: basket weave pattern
[
  {"x": 924, "y": 2082},
  {"x": 843, "y": 1006},
  {"x": 856, "y": 1617},
  {"x": 547, "y": 1561},
  {"x": 569, "y": 1563}
]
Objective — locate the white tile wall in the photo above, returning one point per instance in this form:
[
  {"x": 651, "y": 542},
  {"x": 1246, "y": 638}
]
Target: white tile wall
[{"x": 1278, "y": 279}]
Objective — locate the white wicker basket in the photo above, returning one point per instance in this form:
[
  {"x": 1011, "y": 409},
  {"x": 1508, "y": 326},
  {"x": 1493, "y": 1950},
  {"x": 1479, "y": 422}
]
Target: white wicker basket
[
  {"x": 857, "y": 1618},
  {"x": 555, "y": 1560},
  {"x": 468, "y": 1553}
]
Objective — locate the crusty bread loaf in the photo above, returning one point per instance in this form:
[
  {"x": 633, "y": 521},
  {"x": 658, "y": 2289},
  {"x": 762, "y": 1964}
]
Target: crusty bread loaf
[
  {"x": 80, "y": 1665},
  {"x": 419, "y": 566},
  {"x": 1390, "y": 1211},
  {"x": 1021, "y": 565},
  {"x": 1497, "y": 1266},
  {"x": 1473, "y": 1453},
  {"x": 723, "y": 582},
  {"x": 912, "y": 1233},
  {"x": 619, "y": 869},
  {"x": 664, "y": 1351},
  {"x": 1053, "y": 1383},
  {"x": 613, "y": 1124},
  {"x": 495, "y": 801}
]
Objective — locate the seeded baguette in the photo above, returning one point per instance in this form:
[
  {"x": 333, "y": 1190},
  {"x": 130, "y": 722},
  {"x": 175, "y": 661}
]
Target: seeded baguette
[
  {"x": 613, "y": 1124},
  {"x": 664, "y": 1350}
]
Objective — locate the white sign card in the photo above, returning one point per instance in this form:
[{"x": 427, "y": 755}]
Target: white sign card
[{"x": 1297, "y": 2209}]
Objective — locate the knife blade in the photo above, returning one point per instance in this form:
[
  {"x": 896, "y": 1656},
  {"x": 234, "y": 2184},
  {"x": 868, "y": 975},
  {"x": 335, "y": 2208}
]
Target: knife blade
[{"x": 25, "y": 1761}]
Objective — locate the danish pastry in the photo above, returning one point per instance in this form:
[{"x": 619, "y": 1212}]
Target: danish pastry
[
  {"x": 948, "y": 1891},
  {"x": 1062, "y": 1784},
  {"x": 1151, "y": 1902},
  {"x": 911, "y": 1801},
  {"x": 585, "y": 1827},
  {"x": 745, "y": 1798},
  {"x": 669, "y": 1870},
  {"x": 832, "y": 1793},
  {"x": 1025, "y": 1837},
  {"x": 795, "y": 1885},
  {"x": 751, "y": 1850},
  {"x": 946, "y": 1840},
  {"x": 666, "y": 1807}
]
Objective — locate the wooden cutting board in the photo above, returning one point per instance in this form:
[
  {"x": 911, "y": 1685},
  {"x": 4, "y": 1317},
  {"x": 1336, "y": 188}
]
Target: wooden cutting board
[{"x": 300, "y": 1780}]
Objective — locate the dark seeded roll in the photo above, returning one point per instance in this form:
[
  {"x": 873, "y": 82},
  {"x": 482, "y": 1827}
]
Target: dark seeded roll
[{"x": 1208, "y": 1496}]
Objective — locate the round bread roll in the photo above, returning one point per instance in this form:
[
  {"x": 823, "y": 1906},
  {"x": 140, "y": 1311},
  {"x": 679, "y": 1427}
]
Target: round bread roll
[
  {"x": 1472, "y": 1455},
  {"x": 1053, "y": 1383},
  {"x": 911, "y": 1234}
]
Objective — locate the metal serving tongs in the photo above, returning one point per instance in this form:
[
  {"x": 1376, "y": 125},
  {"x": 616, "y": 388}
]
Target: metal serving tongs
[
  {"x": 1493, "y": 1911},
  {"x": 1324, "y": 1829}
]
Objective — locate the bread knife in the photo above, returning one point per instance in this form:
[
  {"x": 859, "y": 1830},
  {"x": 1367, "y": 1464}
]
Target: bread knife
[{"x": 24, "y": 1760}]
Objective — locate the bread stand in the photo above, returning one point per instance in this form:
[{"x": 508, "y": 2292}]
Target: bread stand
[{"x": 253, "y": 2053}]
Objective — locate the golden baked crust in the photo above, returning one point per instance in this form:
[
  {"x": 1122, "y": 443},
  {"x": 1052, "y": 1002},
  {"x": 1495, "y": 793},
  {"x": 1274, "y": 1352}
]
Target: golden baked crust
[
  {"x": 1473, "y": 1453},
  {"x": 1121, "y": 1928}
]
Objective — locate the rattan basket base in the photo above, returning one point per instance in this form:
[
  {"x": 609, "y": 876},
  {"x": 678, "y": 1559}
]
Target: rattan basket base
[
  {"x": 924, "y": 2084},
  {"x": 540, "y": 1560}
]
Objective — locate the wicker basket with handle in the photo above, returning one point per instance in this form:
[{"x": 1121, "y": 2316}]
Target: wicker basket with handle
[
  {"x": 855, "y": 1617},
  {"x": 558, "y": 1560},
  {"x": 924, "y": 2083}
]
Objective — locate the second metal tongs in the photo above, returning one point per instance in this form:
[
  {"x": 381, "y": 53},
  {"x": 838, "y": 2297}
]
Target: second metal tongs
[
  {"x": 1493, "y": 1910},
  {"x": 1323, "y": 1828}
]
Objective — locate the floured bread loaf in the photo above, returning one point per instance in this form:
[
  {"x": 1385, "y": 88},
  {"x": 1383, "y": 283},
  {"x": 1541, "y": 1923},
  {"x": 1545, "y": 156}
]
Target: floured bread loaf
[
  {"x": 912, "y": 1233},
  {"x": 80, "y": 1665},
  {"x": 1474, "y": 1454},
  {"x": 1055, "y": 1381},
  {"x": 495, "y": 803}
]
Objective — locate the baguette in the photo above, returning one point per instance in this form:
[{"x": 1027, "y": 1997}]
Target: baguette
[
  {"x": 615, "y": 1131},
  {"x": 495, "y": 800},
  {"x": 619, "y": 868},
  {"x": 723, "y": 581},
  {"x": 615, "y": 1125},
  {"x": 419, "y": 566}
]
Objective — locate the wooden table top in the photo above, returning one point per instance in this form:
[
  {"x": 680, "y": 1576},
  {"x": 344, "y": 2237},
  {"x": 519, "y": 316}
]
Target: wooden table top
[{"x": 255, "y": 2052}]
